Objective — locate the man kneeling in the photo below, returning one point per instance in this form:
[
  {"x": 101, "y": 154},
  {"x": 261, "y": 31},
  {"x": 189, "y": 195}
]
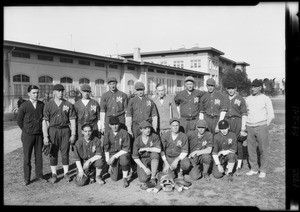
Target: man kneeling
[{"x": 89, "y": 152}]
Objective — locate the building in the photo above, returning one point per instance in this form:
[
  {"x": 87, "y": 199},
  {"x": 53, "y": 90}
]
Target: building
[
  {"x": 25, "y": 64},
  {"x": 206, "y": 60}
]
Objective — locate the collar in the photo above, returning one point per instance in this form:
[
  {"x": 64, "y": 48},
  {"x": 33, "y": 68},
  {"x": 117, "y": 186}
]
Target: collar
[{"x": 33, "y": 102}]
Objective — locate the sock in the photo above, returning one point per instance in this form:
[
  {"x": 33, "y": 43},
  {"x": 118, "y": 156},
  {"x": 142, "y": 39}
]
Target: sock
[
  {"x": 205, "y": 167},
  {"x": 154, "y": 166},
  {"x": 230, "y": 167},
  {"x": 239, "y": 165},
  {"x": 66, "y": 169},
  {"x": 98, "y": 172},
  {"x": 53, "y": 169},
  {"x": 125, "y": 174}
]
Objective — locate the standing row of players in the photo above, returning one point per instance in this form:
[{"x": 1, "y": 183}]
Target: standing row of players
[{"x": 185, "y": 132}]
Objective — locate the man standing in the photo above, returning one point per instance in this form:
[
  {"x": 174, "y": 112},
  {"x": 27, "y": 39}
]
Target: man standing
[
  {"x": 213, "y": 106},
  {"x": 188, "y": 105},
  {"x": 113, "y": 103},
  {"x": 236, "y": 116},
  {"x": 59, "y": 117},
  {"x": 30, "y": 117},
  {"x": 88, "y": 111},
  {"x": 165, "y": 107},
  {"x": 140, "y": 108},
  {"x": 260, "y": 115}
]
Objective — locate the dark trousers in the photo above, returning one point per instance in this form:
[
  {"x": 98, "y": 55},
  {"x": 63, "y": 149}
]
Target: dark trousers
[
  {"x": 188, "y": 124},
  {"x": 60, "y": 140},
  {"x": 235, "y": 124},
  {"x": 120, "y": 164},
  {"x": 211, "y": 123},
  {"x": 31, "y": 142},
  {"x": 224, "y": 160}
]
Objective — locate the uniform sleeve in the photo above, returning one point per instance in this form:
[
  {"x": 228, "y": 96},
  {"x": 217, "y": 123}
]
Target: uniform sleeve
[
  {"x": 77, "y": 150},
  {"x": 216, "y": 145},
  {"x": 106, "y": 142},
  {"x": 185, "y": 146},
  {"x": 129, "y": 108},
  {"x": 46, "y": 112},
  {"x": 163, "y": 144},
  {"x": 125, "y": 101},
  {"x": 72, "y": 112},
  {"x": 102, "y": 103},
  {"x": 98, "y": 110},
  {"x": 224, "y": 103},
  {"x": 243, "y": 107},
  {"x": 210, "y": 142},
  {"x": 177, "y": 99},
  {"x": 99, "y": 148},
  {"x": 202, "y": 106},
  {"x": 233, "y": 147},
  {"x": 135, "y": 151},
  {"x": 156, "y": 141},
  {"x": 154, "y": 109},
  {"x": 126, "y": 143}
]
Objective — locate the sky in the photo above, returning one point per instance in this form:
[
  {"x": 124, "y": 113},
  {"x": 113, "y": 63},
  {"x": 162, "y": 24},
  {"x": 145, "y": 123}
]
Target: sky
[{"x": 251, "y": 34}]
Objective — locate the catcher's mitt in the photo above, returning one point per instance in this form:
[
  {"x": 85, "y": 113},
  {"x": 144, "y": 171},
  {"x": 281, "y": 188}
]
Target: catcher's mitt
[
  {"x": 182, "y": 182},
  {"x": 242, "y": 137},
  {"x": 47, "y": 149},
  {"x": 84, "y": 181}
]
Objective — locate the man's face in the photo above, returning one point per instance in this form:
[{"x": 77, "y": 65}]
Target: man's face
[
  {"x": 210, "y": 88},
  {"x": 140, "y": 92},
  {"x": 175, "y": 126},
  {"x": 231, "y": 91},
  {"x": 112, "y": 86},
  {"x": 114, "y": 127},
  {"x": 161, "y": 91},
  {"x": 189, "y": 85},
  {"x": 146, "y": 131},
  {"x": 224, "y": 131},
  {"x": 86, "y": 132},
  {"x": 34, "y": 94},
  {"x": 255, "y": 90},
  {"x": 86, "y": 94},
  {"x": 201, "y": 130},
  {"x": 59, "y": 94}
]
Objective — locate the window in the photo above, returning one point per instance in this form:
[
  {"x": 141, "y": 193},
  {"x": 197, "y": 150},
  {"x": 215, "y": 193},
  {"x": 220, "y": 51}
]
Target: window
[
  {"x": 113, "y": 66},
  {"x": 179, "y": 86},
  {"x": 84, "y": 81},
  {"x": 195, "y": 63},
  {"x": 45, "y": 85},
  {"x": 150, "y": 69},
  {"x": 65, "y": 60},
  {"x": 179, "y": 74},
  {"x": 100, "y": 87},
  {"x": 160, "y": 80},
  {"x": 151, "y": 85},
  {"x": 45, "y": 57},
  {"x": 130, "y": 67},
  {"x": 20, "y": 54},
  {"x": 171, "y": 72},
  {"x": 178, "y": 64},
  {"x": 21, "y": 83},
  {"x": 213, "y": 65},
  {"x": 99, "y": 64},
  {"x": 170, "y": 86},
  {"x": 84, "y": 62},
  {"x": 130, "y": 84},
  {"x": 160, "y": 71},
  {"x": 67, "y": 82}
]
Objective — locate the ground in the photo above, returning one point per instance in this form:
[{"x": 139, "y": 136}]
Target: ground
[{"x": 266, "y": 194}]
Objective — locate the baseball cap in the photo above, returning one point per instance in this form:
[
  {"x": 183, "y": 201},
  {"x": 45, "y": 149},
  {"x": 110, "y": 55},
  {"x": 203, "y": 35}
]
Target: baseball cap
[
  {"x": 201, "y": 123},
  {"x": 210, "y": 81},
  {"x": 111, "y": 79},
  {"x": 139, "y": 85},
  {"x": 145, "y": 124},
  {"x": 256, "y": 83},
  {"x": 86, "y": 125},
  {"x": 189, "y": 78},
  {"x": 230, "y": 84},
  {"x": 174, "y": 119},
  {"x": 114, "y": 120},
  {"x": 223, "y": 124},
  {"x": 58, "y": 87},
  {"x": 85, "y": 87}
]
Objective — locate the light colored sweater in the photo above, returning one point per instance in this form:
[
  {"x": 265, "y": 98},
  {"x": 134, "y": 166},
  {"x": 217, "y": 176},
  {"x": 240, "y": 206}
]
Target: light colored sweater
[{"x": 260, "y": 110}]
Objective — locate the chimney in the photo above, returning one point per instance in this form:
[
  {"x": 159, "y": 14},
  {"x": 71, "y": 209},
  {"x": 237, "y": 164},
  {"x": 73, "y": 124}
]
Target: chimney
[{"x": 137, "y": 54}]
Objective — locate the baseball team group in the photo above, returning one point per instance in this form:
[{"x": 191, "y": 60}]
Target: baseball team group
[{"x": 190, "y": 136}]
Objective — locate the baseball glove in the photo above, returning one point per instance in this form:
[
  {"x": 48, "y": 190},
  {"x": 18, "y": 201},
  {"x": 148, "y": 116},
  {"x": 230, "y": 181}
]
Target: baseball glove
[
  {"x": 84, "y": 181},
  {"x": 182, "y": 182},
  {"x": 47, "y": 149},
  {"x": 242, "y": 137}
]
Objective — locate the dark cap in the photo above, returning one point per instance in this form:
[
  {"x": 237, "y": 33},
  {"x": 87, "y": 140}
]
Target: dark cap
[
  {"x": 174, "y": 119},
  {"x": 256, "y": 83},
  {"x": 210, "y": 81},
  {"x": 201, "y": 123},
  {"x": 223, "y": 124},
  {"x": 139, "y": 85},
  {"x": 85, "y": 87},
  {"x": 189, "y": 78},
  {"x": 114, "y": 120},
  {"x": 111, "y": 79},
  {"x": 230, "y": 84},
  {"x": 58, "y": 87},
  {"x": 145, "y": 124},
  {"x": 86, "y": 125}
]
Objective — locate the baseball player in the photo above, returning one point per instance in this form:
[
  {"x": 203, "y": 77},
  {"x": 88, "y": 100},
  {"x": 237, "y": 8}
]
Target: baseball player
[
  {"x": 146, "y": 153},
  {"x": 88, "y": 153},
  {"x": 140, "y": 108},
  {"x": 213, "y": 107},
  {"x": 188, "y": 105},
  {"x": 260, "y": 115},
  {"x": 59, "y": 128},
  {"x": 175, "y": 150},
  {"x": 165, "y": 107},
  {"x": 30, "y": 117},
  {"x": 113, "y": 103},
  {"x": 200, "y": 147},
  {"x": 87, "y": 111},
  {"x": 117, "y": 149},
  {"x": 224, "y": 151},
  {"x": 236, "y": 116}
]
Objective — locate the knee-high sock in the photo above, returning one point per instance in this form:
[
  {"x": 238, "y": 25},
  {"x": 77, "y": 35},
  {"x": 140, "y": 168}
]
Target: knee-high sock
[
  {"x": 125, "y": 174},
  {"x": 66, "y": 169},
  {"x": 230, "y": 167},
  {"x": 154, "y": 166},
  {"x": 53, "y": 169},
  {"x": 239, "y": 164},
  {"x": 205, "y": 167}
]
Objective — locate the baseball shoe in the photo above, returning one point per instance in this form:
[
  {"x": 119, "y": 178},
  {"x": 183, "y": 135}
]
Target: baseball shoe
[
  {"x": 206, "y": 176},
  {"x": 230, "y": 177},
  {"x": 99, "y": 180},
  {"x": 238, "y": 172},
  {"x": 144, "y": 186},
  {"x": 26, "y": 182},
  {"x": 251, "y": 172},
  {"x": 262, "y": 175},
  {"x": 125, "y": 183},
  {"x": 40, "y": 179},
  {"x": 53, "y": 179},
  {"x": 152, "y": 181},
  {"x": 67, "y": 177}
]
